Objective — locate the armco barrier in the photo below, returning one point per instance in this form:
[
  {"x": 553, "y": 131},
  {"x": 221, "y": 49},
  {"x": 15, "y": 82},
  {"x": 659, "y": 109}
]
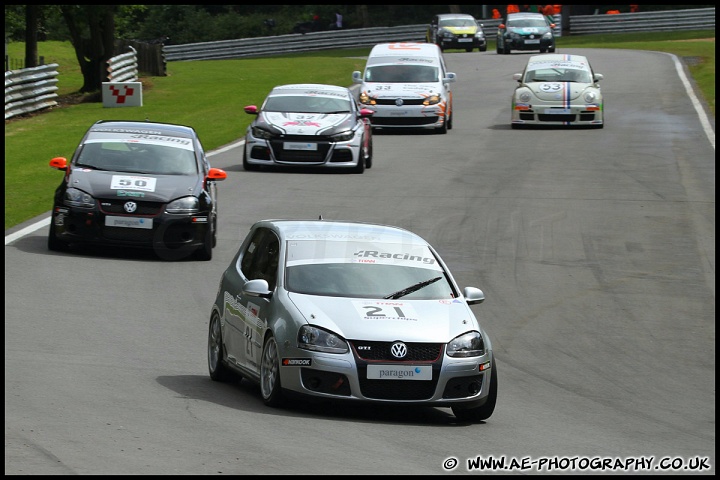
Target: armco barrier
[
  {"x": 31, "y": 89},
  {"x": 669, "y": 20},
  {"x": 28, "y": 90}
]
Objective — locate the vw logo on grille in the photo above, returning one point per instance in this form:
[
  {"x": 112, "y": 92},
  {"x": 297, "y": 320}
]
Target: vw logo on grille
[
  {"x": 398, "y": 350},
  {"x": 130, "y": 207},
  {"x": 399, "y": 102}
]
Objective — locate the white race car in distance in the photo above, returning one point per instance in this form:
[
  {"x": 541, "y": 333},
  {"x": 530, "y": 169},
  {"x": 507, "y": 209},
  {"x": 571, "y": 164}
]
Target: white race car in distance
[{"x": 556, "y": 89}]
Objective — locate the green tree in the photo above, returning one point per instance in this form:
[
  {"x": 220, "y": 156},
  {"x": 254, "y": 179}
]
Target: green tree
[
  {"x": 92, "y": 34},
  {"x": 31, "y": 35}
]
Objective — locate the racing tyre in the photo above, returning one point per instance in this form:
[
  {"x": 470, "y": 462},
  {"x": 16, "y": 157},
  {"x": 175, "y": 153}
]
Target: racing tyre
[
  {"x": 482, "y": 49},
  {"x": 247, "y": 166},
  {"x": 450, "y": 121},
  {"x": 54, "y": 244},
  {"x": 205, "y": 251},
  {"x": 469, "y": 49},
  {"x": 270, "y": 387},
  {"x": 214, "y": 235},
  {"x": 442, "y": 129},
  {"x": 219, "y": 371},
  {"x": 369, "y": 156},
  {"x": 485, "y": 411},
  {"x": 551, "y": 50},
  {"x": 362, "y": 159}
]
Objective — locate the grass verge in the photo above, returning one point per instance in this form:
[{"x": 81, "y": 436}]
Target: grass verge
[{"x": 210, "y": 94}]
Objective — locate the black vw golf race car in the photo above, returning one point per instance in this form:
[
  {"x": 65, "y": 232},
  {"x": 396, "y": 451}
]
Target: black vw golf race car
[{"x": 137, "y": 184}]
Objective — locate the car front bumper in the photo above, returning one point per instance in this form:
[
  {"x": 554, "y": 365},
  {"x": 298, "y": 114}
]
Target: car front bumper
[
  {"x": 455, "y": 381},
  {"x": 389, "y": 115},
  {"x": 462, "y": 43},
  {"x": 553, "y": 114},
  {"x": 161, "y": 231},
  {"x": 522, "y": 43},
  {"x": 319, "y": 153}
]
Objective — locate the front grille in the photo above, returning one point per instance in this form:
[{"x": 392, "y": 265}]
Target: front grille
[
  {"x": 556, "y": 118},
  {"x": 379, "y": 352},
  {"x": 406, "y": 101},
  {"x": 133, "y": 235},
  {"x": 299, "y": 156},
  {"x": 404, "y": 122},
  {"x": 397, "y": 389},
  {"x": 144, "y": 209}
]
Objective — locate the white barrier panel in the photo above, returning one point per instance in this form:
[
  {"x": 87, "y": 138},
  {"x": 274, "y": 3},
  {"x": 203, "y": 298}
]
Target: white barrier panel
[{"x": 122, "y": 94}]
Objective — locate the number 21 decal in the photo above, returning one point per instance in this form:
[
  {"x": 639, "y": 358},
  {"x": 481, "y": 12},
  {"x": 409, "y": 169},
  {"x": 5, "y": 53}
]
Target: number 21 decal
[{"x": 386, "y": 311}]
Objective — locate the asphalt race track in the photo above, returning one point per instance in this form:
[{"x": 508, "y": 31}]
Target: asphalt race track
[{"x": 595, "y": 249}]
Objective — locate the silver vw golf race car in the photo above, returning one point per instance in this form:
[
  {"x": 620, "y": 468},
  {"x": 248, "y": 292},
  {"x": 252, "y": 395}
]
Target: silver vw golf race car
[
  {"x": 310, "y": 126},
  {"x": 350, "y": 311}
]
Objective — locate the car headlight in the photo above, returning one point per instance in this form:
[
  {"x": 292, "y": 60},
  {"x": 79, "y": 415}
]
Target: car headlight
[
  {"x": 470, "y": 344},
  {"x": 345, "y": 136},
  {"x": 78, "y": 198},
  {"x": 590, "y": 96},
  {"x": 524, "y": 96},
  {"x": 433, "y": 99},
  {"x": 261, "y": 133},
  {"x": 183, "y": 205},
  {"x": 547, "y": 35},
  {"x": 365, "y": 99},
  {"x": 479, "y": 35},
  {"x": 319, "y": 340},
  {"x": 446, "y": 33}
]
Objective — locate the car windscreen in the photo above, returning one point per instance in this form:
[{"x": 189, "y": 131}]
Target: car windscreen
[
  {"x": 160, "y": 156},
  {"x": 528, "y": 23},
  {"x": 306, "y": 104},
  {"x": 457, "y": 22},
  {"x": 558, "y": 73},
  {"x": 401, "y": 73},
  {"x": 364, "y": 270}
]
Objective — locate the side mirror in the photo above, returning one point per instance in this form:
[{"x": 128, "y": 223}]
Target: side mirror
[
  {"x": 251, "y": 109},
  {"x": 366, "y": 113},
  {"x": 216, "y": 174},
  {"x": 517, "y": 76},
  {"x": 597, "y": 77},
  {"x": 257, "y": 288},
  {"x": 59, "y": 163},
  {"x": 473, "y": 295},
  {"x": 357, "y": 76},
  {"x": 450, "y": 77}
]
